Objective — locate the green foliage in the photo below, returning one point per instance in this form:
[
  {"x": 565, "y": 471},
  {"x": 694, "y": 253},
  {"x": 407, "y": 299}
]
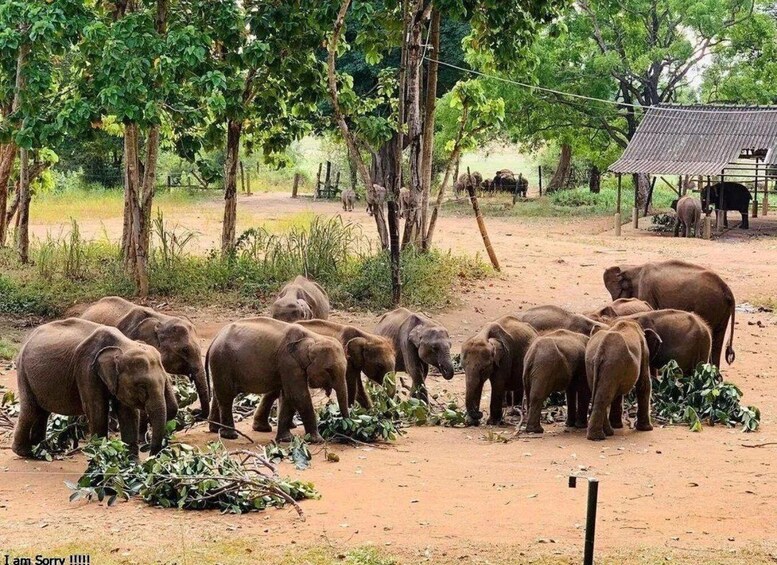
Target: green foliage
[
  {"x": 702, "y": 397},
  {"x": 62, "y": 434},
  {"x": 662, "y": 223},
  {"x": 364, "y": 426},
  {"x": 8, "y": 350},
  {"x": 297, "y": 452},
  {"x": 183, "y": 476}
]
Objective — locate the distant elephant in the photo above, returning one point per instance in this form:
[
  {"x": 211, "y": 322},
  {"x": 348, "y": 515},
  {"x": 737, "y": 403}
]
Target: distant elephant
[
  {"x": 348, "y": 198},
  {"x": 465, "y": 180},
  {"x": 74, "y": 367},
  {"x": 616, "y": 360},
  {"x": 504, "y": 180},
  {"x": 264, "y": 356},
  {"x": 300, "y": 299},
  {"x": 688, "y": 216},
  {"x": 175, "y": 338},
  {"x": 496, "y": 354},
  {"x": 618, "y": 308},
  {"x": 521, "y": 186},
  {"x": 405, "y": 201},
  {"x": 685, "y": 338},
  {"x": 550, "y": 317},
  {"x": 554, "y": 362},
  {"x": 731, "y": 196},
  {"x": 418, "y": 343},
  {"x": 366, "y": 353},
  {"x": 684, "y": 286},
  {"x": 376, "y": 198}
]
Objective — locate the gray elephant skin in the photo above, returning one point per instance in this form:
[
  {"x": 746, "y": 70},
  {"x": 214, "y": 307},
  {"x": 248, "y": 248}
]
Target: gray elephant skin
[
  {"x": 175, "y": 338},
  {"x": 731, "y": 196},
  {"x": 618, "y": 308},
  {"x": 263, "y": 355},
  {"x": 73, "y": 367},
  {"x": 681, "y": 286},
  {"x": 300, "y": 299},
  {"x": 688, "y": 216},
  {"x": 366, "y": 353},
  {"x": 348, "y": 198},
  {"x": 418, "y": 343},
  {"x": 495, "y": 354},
  {"x": 617, "y": 360},
  {"x": 554, "y": 362},
  {"x": 550, "y": 317}
]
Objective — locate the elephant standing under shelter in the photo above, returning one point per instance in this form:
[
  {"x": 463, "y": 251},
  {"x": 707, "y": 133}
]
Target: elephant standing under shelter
[
  {"x": 688, "y": 216},
  {"x": 683, "y": 286},
  {"x": 73, "y": 367},
  {"x": 265, "y": 356},
  {"x": 418, "y": 343},
  {"x": 300, "y": 299},
  {"x": 175, "y": 338},
  {"x": 727, "y": 196}
]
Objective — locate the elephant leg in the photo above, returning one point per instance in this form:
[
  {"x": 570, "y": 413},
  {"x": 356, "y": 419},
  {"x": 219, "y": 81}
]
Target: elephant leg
[
  {"x": 285, "y": 416},
  {"x": 643, "y": 387},
  {"x": 352, "y": 377},
  {"x": 38, "y": 432},
  {"x": 718, "y": 337},
  {"x": 128, "y": 428},
  {"x": 29, "y": 416},
  {"x": 262, "y": 412},
  {"x": 214, "y": 416},
  {"x": 142, "y": 426},
  {"x": 361, "y": 394},
  {"x": 97, "y": 414},
  {"x": 497, "y": 397},
  {"x": 417, "y": 371},
  {"x": 725, "y": 218},
  {"x": 227, "y": 419},
  {"x": 304, "y": 404},
  {"x": 616, "y": 412},
  {"x": 745, "y": 221},
  {"x": 571, "y": 405},
  {"x": 598, "y": 423},
  {"x": 583, "y": 400}
]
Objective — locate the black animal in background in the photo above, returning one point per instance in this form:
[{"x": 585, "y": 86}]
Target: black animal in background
[{"x": 734, "y": 196}]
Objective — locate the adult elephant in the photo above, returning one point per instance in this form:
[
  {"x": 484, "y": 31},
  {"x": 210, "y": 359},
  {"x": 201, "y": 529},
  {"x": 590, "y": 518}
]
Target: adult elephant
[
  {"x": 683, "y": 286},
  {"x": 495, "y": 354},
  {"x": 550, "y": 317},
  {"x": 73, "y": 367},
  {"x": 618, "y": 308},
  {"x": 265, "y": 356},
  {"x": 366, "y": 353},
  {"x": 300, "y": 299},
  {"x": 175, "y": 338},
  {"x": 731, "y": 196},
  {"x": 418, "y": 343}
]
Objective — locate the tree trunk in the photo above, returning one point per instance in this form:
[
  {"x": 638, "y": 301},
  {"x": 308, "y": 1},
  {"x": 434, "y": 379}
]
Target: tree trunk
[
  {"x": 131, "y": 182},
  {"x": 234, "y": 129},
  {"x": 427, "y": 152},
  {"x": 642, "y": 182},
  {"x": 35, "y": 171},
  {"x": 23, "y": 233},
  {"x": 594, "y": 179},
  {"x": 563, "y": 170}
]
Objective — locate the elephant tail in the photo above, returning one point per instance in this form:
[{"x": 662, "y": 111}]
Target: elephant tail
[
  {"x": 730, "y": 354},
  {"x": 207, "y": 370}
]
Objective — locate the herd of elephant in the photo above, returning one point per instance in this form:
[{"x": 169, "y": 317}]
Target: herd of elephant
[
  {"x": 723, "y": 196},
  {"x": 118, "y": 357}
]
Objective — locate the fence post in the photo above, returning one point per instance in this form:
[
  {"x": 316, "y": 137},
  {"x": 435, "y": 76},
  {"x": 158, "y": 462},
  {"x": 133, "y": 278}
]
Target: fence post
[
  {"x": 590, "y": 518},
  {"x": 295, "y": 186},
  {"x": 481, "y": 223},
  {"x": 539, "y": 175}
]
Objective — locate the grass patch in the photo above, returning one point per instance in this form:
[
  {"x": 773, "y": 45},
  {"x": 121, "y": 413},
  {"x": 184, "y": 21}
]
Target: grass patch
[
  {"x": 8, "y": 350},
  {"x": 69, "y": 269}
]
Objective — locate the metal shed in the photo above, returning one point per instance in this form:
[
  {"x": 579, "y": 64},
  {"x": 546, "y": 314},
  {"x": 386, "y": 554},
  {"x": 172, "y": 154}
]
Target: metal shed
[{"x": 703, "y": 141}]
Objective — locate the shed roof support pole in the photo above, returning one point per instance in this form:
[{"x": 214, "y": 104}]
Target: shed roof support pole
[
  {"x": 618, "y": 208},
  {"x": 755, "y": 189}
]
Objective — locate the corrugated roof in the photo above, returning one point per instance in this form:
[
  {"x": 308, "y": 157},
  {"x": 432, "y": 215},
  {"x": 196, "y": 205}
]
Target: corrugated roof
[{"x": 697, "y": 140}]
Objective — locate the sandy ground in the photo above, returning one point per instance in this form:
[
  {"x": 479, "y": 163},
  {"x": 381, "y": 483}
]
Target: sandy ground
[{"x": 454, "y": 495}]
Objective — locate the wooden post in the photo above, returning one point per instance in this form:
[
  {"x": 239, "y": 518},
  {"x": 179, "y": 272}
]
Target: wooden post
[
  {"x": 318, "y": 181},
  {"x": 169, "y": 183},
  {"x": 337, "y": 184},
  {"x": 618, "y": 208},
  {"x": 539, "y": 176},
  {"x": 328, "y": 179},
  {"x": 481, "y": 223},
  {"x": 243, "y": 178},
  {"x": 295, "y": 186},
  {"x": 707, "y": 227},
  {"x": 765, "y": 207},
  {"x": 755, "y": 189},
  {"x": 635, "y": 210}
]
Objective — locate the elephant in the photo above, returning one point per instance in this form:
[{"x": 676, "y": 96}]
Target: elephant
[
  {"x": 376, "y": 197},
  {"x": 496, "y": 354},
  {"x": 465, "y": 180},
  {"x": 684, "y": 286},
  {"x": 731, "y": 196},
  {"x": 685, "y": 338},
  {"x": 521, "y": 186},
  {"x": 300, "y": 299},
  {"x": 554, "y": 362},
  {"x": 405, "y": 201},
  {"x": 688, "y": 215},
  {"x": 264, "y": 356},
  {"x": 550, "y": 317},
  {"x": 418, "y": 343},
  {"x": 504, "y": 181},
  {"x": 74, "y": 366},
  {"x": 366, "y": 353},
  {"x": 348, "y": 198},
  {"x": 617, "y": 360},
  {"x": 618, "y": 308},
  {"x": 175, "y": 338}
]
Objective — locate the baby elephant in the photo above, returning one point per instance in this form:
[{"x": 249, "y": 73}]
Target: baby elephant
[
  {"x": 548, "y": 318},
  {"x": 366, "y": 353},
  {"x": 405, "y": 201},
  {"x": 348, "y": 198},
  {"x": 688, "y": 215},
  {"x": 418, "y": 343},
  {"x": 496, "y": 354},
  {"x": 300, "y": 299},
  {"x": 556, "y": 361},
  {"x": 616, "y": 360},
  {"x": 261, "y": 356},
  {"x": 618, "y": 308},
  {"x": 74, "y": 367}
]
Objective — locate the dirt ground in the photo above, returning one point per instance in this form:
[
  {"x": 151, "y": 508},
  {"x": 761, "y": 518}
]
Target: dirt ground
[{"x": 454, "y": 495}]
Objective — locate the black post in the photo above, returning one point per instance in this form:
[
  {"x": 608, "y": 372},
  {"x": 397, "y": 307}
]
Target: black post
[
  {"x": 590, "y": 519},
  {"x": 539, "y": 174}
]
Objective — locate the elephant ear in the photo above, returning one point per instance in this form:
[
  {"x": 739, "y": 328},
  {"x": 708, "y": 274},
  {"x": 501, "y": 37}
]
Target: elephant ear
[
  {"x": 498, "y": 351},
  {"x": 299, "y": 345},
  {"x": 416, "y": 335},
  {"x": 106, "y": 364},
  {"x": 354, "y": 350},
  {"x": 307, "y": 313},
  {"x": 500, "y": 342},
  {"x": 618, "y": 283},
  {"x": 653, "y": 341}
]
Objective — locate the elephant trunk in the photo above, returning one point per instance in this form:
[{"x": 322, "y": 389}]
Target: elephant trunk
[
  {"x": 341, "y": 389},
  {"x": 472, "y": 401},
  {"x": 202, "y": 385},
  {"x": 156, "y": 410},
  {"x": 445, "y": 364},
  {"x": 171, "y": 403}
]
